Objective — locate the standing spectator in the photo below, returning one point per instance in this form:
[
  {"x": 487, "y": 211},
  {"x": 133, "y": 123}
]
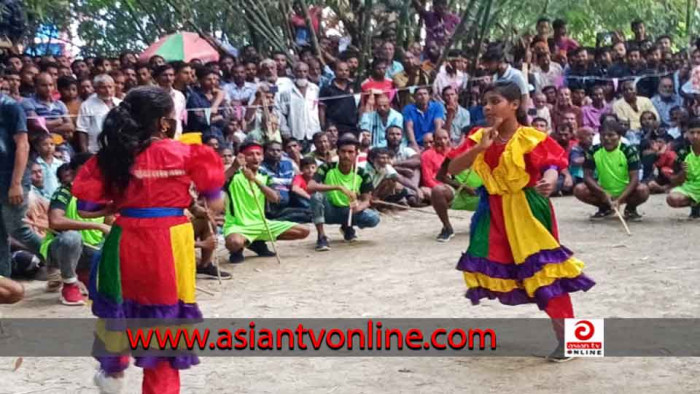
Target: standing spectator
[
  {"x": 239, "y": 91},
  {"x": 432, "y": 55},
  {"x": 183, "y": 77},
  {"x": 131, "y": 79},
  {"x": 26, "y": 76},
  {"x": 450, "y": 76},
  {"x": 665, "y": 100},
  {"x": 338, "y": 188},
  {"x": 544, "y": 29},
  {"x": 562, "y": 41},
  {"x": 440, "y": 24},
  {"x": 13, "y": 83},
  {"x": 119, "y": 84},
  {"x": 85, "y": 89},
  {"x": 251, "y": 72},
  {"x": 546, "y": 72},
  {"x": 377, "y": 122},
  {"x": 376, "y": 84},
  {"x": 165, "y": 77},
  {"x": 423, "y": 117},
  {"x": 412, "y": 75},
  {"x": 302, "y": 35},
  {"x": 494, "y": 61},
  {"x": 640, "y": 33},
  {"x": 591, "y": 113},
  {"x": 633, "y": 67},
  {"x": 268, "y": 68},
  {"x": 393, "y": 67},
  {"x": 299, "y": 107},
  {"x": 580, "y": 71},
  {"x": 14, "y": 63},
  {"x": 337, "y": 104},
  {"x": 281, "y": 61},
  {"x": 68, "y": 88},
  {"x": 93, "y": 112},
  {"x": 565, "y": 105},
  {"x": 204, "y": 104},
  {"x": 143, "y": 74},
  {"x": 14, "y": 182},
  {"x": 664, "y": 42},
  {"x": 456, "y": 117},
  {"x": 42, "y": 105},
  {"x": 631, "y": 106},
  {"x": 80, "y": 69}
]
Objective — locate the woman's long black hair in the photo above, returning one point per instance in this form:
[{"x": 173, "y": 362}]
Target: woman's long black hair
[
  {"x": 511, "y": 92},
  {"x": 127, "y": 131}
]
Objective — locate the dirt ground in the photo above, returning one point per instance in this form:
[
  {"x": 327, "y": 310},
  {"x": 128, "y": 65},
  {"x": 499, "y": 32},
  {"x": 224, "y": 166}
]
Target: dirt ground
[{"x": 398, "y": 270}]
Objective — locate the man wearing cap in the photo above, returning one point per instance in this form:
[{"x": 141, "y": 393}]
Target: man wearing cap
[
  {"x": 248, "y": 190},
  {"x": 336, "y": 189}
]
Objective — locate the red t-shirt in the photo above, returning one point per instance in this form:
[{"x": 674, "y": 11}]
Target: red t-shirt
[
  {"x": 301, "y": 182},
  {"x": 430, "y": 163},
  {"x": 386, "y": 85}
]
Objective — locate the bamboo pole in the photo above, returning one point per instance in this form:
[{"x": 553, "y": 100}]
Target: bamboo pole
[
  {"x": 366, "y": 43},
  {"x": 312, "y": 31}
]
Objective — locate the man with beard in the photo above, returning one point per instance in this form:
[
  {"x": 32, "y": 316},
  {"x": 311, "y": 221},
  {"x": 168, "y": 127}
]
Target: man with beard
[
  {"x": 269, "y": 74},
  {"x": 340, "y": 111},
  {"x": 298, "y": 105},
  {"x": 412, "y": 75},
  {"x": 377, "y": 122}
]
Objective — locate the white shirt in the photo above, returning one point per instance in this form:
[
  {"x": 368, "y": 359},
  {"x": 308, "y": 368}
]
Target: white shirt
[
  {"x": 443, "y": 80},
  {"x": 91, "y": 116},
  {"x": 299, "y": 112},
  {"x": 180, "y": 112}
]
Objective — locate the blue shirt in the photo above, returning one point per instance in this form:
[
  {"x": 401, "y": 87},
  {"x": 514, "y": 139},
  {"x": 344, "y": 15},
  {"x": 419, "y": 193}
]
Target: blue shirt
[
  {"x": 513, "y": 75},
  {"x": 663, "y": 107},
  {"x": 13, "y": 122},
  {"x": 423, "y": 123},
  {"x": 281, "y": 177},
  {"x": 33, "y": 106},
  {"x": 393, "y": 69},
  {"x": 372, "y": 122}
]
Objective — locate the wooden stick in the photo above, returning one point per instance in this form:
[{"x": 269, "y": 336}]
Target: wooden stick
[
  {"x": 267, "y": 228},
  {"x": 391, "y": 204},
  {"x": 204, "y": 291},
  {"x": 622, "y": 219},
  {"x": 213, "y": 234}
]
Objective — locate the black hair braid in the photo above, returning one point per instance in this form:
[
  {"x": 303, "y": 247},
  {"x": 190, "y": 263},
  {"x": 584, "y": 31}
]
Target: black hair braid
[{"x": 127, "y": 131}]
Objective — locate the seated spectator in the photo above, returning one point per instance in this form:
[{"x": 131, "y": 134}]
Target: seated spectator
[
  {"x": 542, "y": 111},
  {"x": 322, "y": 153},
  {"x": 591, "y": 113},
  {"x": 649, "y": 123},
  {"x": 546, "y": 72},
  {"x": 428, "y": 142},
  {"x": 412, "y": 75},
  {"x": 406, "y": 162},
  {"x": 393, "y": 67},
  {"x": 665, "y": 100},
  {"x": 45, "y": 147},
  {"x": 631, "y": 106},
  {"x": 205, "y": 241},
  {"x": 72, "y": 242},
  {"x": 280, "y": 170},
  {"x": 679, "y": 118},
  {"x": 384, "y": 177},
  {"x": 687, "y": 179},
  {"x": 551, "y": 93},
  {"x": 565, "y": 105},
  {"x": 44, "y": 114},
  {"x": 425, "y": 116},
  {"x": 617, "y": 166},
  {"x": 577, "y": 155},
  {"x": 341, "y": 191},
  {"x": 540, "y": 124},
  {"x": 378, "y": 121},
  {"x": 300, "y": 185},
  {"x": 456, "y": 192},
  {"x": 337, "y": 105},
  {"x": 457, "y": 118},
  {"x": 37, "y": 202},
  {"x": 431, "y": 160},
  {"x": 248, "y": 190},
  {"x": 292, "y": 151},
  {"x": 495, "y": 62},
  {"x": 564, "y": 137},
  {"x": 449, "y": 76}
]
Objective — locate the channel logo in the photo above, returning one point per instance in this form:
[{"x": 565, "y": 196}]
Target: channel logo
[{"x": 584, "y": 337}]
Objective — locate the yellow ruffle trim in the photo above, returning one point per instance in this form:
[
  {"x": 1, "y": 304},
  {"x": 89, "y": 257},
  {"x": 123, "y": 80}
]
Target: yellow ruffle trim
[{"x": 571, "y": 268}]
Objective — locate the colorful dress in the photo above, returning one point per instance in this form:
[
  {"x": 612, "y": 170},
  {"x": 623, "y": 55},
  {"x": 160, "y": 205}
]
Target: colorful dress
[
  {"x": 147, "y": 267},
  {"x": 514, "y": 253}
]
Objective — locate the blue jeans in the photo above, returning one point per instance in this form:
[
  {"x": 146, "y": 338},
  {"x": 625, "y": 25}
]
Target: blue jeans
[
  {"x": 68, "y": 253},
  {"x": 325, "y": 212},
  {"x": 11, "y": 225}
]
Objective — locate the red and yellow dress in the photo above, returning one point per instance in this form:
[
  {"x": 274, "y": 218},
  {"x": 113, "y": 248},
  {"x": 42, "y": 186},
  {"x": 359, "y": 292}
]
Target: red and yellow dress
[
  {"x": 514, "y": 253},
  {"x": 147, "y": 268}
]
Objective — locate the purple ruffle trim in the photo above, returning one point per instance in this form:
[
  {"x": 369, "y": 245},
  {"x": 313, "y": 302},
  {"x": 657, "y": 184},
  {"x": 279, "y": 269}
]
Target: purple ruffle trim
[
  {"x": 104, "y": 308},
  {"x": 542, "y": 295},
  {"x": 211, "y": 194},
  {"x": 116, "y": 316},
  {"x": 532, "y": 264},
  {"x": 88, "y": 206}
]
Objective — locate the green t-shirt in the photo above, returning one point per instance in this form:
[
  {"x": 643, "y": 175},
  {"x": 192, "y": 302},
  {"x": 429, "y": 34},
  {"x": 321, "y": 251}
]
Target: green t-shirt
[
  {"x": 63, "y": 199},
  {"x": 692, "y": 175},
  {"x": 613, "y": 167},
  {"x": 241, "y": 208},
  {"x": 469, "y": 178},
  {"x": 330, "y": 174}
]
